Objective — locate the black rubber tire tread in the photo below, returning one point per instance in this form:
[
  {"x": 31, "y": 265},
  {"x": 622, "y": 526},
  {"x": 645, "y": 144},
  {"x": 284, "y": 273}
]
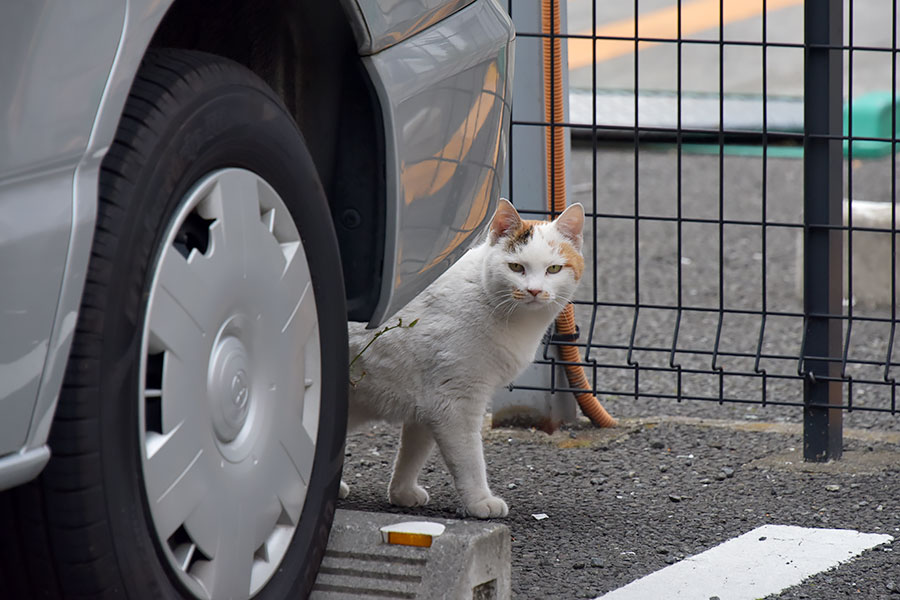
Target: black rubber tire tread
[{"x": 62, "y": 522}]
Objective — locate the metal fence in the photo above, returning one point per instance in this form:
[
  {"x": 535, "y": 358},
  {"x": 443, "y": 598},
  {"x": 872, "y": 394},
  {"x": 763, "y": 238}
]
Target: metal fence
[{"x": 740, "y": 185}]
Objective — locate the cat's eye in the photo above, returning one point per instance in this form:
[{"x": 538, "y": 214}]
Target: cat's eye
[
  {"x": 516, "y": 267},
  {"x": 554, "y": 268}
]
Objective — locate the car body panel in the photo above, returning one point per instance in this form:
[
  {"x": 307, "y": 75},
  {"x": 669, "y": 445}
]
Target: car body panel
[
  {"x": 445, "y": 96},
  {"x": 141, "y": 17},
  {"x": 379, "y": 24},
  {"x": 22, "y": 466},
  {"x": 51, "y": 71},
  {"x": 28, "y": 303}
]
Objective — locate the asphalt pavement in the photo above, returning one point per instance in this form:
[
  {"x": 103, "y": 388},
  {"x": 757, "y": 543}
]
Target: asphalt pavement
[{"x": 625, "y": 502}]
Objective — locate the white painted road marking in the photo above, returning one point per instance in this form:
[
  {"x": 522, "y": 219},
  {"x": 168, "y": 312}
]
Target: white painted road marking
[{"x": 764, "y": 561}]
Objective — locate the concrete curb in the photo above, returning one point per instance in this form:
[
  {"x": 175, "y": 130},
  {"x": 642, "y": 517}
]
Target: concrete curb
[{"x": 469, "y": 561}]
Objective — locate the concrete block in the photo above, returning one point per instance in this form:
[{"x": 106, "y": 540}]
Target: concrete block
[
  {"x": 535, "y": 408},
  {"x": 871, "y": 254},
  {"x": 469, "y": 561}
]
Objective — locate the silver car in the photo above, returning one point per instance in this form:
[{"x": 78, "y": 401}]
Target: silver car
[{"x": 195, "y": 196}]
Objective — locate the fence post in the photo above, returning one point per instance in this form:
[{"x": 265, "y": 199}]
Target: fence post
[{"x": 822, "y": 218}]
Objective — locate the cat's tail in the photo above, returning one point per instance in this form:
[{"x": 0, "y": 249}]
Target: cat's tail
[{"x": 590, "y": 406}]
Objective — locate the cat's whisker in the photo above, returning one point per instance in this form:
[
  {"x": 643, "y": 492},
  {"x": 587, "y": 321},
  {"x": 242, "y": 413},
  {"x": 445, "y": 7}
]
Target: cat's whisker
[
  {"x": 506, "y": 308},
  {"x": 508, "y": 301},
  {"x": 500, "y": 302},
  {"x": 500, "y": 294},
  {"x": 558, "y": 304},
  {"x": 497, "y": 297},
  {"x": 509, "y": 312}
]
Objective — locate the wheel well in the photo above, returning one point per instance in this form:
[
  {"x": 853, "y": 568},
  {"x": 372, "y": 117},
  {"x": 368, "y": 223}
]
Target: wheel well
[{"x": 305, "y": 51}]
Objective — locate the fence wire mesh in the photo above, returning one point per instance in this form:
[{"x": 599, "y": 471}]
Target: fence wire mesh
[{"x": 716, "y": 146}]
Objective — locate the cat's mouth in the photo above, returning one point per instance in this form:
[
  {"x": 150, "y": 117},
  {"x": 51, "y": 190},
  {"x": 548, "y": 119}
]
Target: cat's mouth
[{"x": 529, "y": 299}]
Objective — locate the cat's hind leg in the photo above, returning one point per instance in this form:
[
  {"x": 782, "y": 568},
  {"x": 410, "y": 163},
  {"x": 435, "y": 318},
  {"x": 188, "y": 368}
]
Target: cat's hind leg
[{"x": 416, "y": 444}]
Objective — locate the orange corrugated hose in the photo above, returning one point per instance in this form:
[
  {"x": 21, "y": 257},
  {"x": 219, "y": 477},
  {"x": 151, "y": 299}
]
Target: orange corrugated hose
[{"x": 556, "y": 199}]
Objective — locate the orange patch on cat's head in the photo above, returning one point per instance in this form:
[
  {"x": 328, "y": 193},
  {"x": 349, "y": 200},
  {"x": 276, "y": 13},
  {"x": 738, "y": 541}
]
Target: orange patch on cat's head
[{"x": 573, "y": 259}]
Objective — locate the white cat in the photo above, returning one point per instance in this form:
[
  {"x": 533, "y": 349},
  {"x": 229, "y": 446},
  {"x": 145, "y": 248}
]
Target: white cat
[{"x": 479, "y": 325}]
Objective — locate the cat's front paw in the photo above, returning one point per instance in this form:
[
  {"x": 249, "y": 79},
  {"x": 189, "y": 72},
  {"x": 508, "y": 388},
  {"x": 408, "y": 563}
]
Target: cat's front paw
[
  {"x": 408, "y": 496},
  {"x": 487, "y": 508},
  {"x": 344, "y": 490}
]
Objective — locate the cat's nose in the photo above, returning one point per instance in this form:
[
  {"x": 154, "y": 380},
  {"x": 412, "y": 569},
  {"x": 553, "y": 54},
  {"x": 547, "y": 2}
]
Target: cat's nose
[{"x": 534, "y": 292}]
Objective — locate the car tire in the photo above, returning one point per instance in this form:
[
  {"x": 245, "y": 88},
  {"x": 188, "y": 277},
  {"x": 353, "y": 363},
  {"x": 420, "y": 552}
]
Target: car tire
[{"x": 212, "y": 329}]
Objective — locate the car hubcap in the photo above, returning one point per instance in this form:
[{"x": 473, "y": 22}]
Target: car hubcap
[
  {"x": 228, "y": 386},
  {"x": 229, "y": 398}
]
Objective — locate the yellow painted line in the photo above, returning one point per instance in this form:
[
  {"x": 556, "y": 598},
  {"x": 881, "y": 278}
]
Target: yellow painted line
[{"x": 696, "y": 16}]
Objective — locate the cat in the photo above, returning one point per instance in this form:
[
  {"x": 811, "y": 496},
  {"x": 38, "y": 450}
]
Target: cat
[{"x": 476, "y": 328}]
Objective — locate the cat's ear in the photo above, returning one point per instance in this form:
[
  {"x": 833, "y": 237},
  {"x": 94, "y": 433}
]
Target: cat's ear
[
  {"x": 505, "y": 220},
  {"x": 571, "y": 223}
]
